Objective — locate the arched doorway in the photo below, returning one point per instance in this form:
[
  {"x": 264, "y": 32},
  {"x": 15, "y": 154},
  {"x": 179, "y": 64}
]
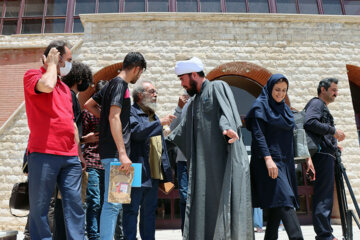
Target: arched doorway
[
  {"x": 107, "y": 73},
  {"x": 246, "y": 81},
  {"x": 354, "y": 83}
]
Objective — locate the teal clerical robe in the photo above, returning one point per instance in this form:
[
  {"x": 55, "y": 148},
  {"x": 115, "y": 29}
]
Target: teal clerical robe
[{"x": 219, "y": 195}]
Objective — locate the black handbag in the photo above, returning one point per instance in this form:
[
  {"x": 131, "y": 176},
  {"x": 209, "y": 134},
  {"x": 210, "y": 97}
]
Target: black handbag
[{"x": 19, "y": 198}]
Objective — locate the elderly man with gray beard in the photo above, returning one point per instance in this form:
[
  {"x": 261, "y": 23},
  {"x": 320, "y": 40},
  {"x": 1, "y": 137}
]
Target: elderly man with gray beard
[{"x": 148, "y": 148}]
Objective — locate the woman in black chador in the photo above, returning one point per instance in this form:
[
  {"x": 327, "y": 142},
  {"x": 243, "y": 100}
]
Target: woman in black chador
[{"x": 272, "y": 167}]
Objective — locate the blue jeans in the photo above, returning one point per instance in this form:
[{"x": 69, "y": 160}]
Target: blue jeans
[
  {"x": 94, "y": 201},
  {"x": 258, "y": 217},
  {"x": 45, "y": 170},
  {"x": 147, "y": 198},
  {"x": 182, "y": 176},
  {"x": 110, "y": 211}
]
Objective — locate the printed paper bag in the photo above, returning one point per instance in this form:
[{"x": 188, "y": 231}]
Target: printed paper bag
[{"x": 120, "y": 185}]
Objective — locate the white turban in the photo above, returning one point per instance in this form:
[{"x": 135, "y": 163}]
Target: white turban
[{"x": 189, "y": 66}]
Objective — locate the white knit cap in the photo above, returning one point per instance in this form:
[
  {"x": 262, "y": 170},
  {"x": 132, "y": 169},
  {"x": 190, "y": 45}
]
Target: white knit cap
[{"x": 189, "y": 66}]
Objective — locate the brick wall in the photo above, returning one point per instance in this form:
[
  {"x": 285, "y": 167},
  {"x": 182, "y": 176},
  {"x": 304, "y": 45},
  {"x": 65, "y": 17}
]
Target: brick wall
[{"x": 13, "y": 65}]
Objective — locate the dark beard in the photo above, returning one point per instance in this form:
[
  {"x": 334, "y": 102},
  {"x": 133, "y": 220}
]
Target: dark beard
[{"x": 193, "y": 90}]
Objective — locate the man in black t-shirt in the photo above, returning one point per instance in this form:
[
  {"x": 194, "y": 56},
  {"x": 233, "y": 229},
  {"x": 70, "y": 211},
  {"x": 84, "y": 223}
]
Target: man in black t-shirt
[
  {"x": 114, "y": 135},
  {"x": 114, "y": 94}
]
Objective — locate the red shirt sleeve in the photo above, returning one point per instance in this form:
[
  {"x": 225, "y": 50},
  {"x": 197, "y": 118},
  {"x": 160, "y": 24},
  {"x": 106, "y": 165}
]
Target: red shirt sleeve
[{"x": 31, "y": 78}]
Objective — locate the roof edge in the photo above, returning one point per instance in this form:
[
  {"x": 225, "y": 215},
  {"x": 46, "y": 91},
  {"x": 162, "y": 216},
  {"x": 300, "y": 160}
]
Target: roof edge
[{"x": 239, "y": 17}]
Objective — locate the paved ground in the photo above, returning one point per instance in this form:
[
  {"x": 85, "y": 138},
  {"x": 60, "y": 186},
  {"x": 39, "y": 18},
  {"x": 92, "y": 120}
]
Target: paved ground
[{"x": 308, "y": 233}]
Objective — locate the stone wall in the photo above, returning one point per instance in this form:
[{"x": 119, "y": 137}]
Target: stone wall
[
  {"x": 22, "y": 41},
  {"x": 13, "y": 142},
  {"x": 306, "y": 48}
]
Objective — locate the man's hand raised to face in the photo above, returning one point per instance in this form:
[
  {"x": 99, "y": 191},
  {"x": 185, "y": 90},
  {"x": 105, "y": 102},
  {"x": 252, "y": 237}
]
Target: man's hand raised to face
[{"x": 52, "y": 57}]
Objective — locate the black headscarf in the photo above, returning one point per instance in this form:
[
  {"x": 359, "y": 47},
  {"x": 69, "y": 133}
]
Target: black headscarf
[{"x": 270, "y": 111}]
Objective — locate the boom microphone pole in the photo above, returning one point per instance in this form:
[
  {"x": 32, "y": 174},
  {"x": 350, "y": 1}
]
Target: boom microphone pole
[{"x": 346, "y": 215}]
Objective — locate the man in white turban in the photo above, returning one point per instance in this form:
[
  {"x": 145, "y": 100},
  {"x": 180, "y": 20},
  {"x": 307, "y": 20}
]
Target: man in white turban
[{"x": 219, "y": 195}]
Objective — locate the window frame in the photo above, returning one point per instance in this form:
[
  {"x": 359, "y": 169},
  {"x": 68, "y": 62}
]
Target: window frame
[
  {"x": 70, "y": 11},
  {"x": 43, "y": 18}
]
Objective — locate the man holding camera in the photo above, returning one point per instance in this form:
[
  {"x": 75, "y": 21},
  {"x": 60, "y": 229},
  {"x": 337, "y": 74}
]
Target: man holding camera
[{"x": 320, "y": 124}]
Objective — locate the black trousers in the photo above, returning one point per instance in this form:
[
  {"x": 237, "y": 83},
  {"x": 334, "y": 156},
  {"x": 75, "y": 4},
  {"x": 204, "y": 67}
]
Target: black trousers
[
  {"x": 289, "y": 219},
  {"x": 119, "y": 232},
  {"x": 59, "y": 232},
  {"x": 323, "y": 197}
]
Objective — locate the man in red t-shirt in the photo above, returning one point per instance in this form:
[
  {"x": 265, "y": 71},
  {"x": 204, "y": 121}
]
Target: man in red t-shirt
[{"x": 53, "y": 144}]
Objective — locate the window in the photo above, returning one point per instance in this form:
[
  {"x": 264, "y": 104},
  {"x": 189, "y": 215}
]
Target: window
[
  {"x": 158, "y": 5},
  {"x": 186, "y": 6},
  {"x": 78, "y": 27},
  {"x": 31, "y": 26},
  {"x": 56, "y": 16},
  {"x": 34, "y": 8},
  {"x": 134, "y": 6},
  {"x": 332, "y": 7},
  {"x": 54, "y": 26},
  {"x": 9, "y": 27},
  {"x": 108, "y": 6},
  {"x": 84, "y": 6},
  {"x": 12, "y": 8},
  {"x": 56, "y": 7},
  {"x": 352, "y": 7},
  {"x": 210, "y": 6},
  {"x": 236, "y": 6},
  {"x": 258, "y": 6},
  {"x": 286, "y": 6},
  {"x": 30, "y": 16},
  {"x": 9, "y": 17},
  {"x": 308, "y": 7}
]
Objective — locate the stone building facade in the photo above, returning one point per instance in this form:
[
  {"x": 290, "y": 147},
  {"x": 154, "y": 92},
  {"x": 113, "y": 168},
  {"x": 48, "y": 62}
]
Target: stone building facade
[{"x": 306, "y": 48}]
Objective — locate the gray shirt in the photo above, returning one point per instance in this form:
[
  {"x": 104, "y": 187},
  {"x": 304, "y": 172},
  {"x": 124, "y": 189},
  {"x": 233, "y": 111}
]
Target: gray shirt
[{"x": 179, "y": 114}]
